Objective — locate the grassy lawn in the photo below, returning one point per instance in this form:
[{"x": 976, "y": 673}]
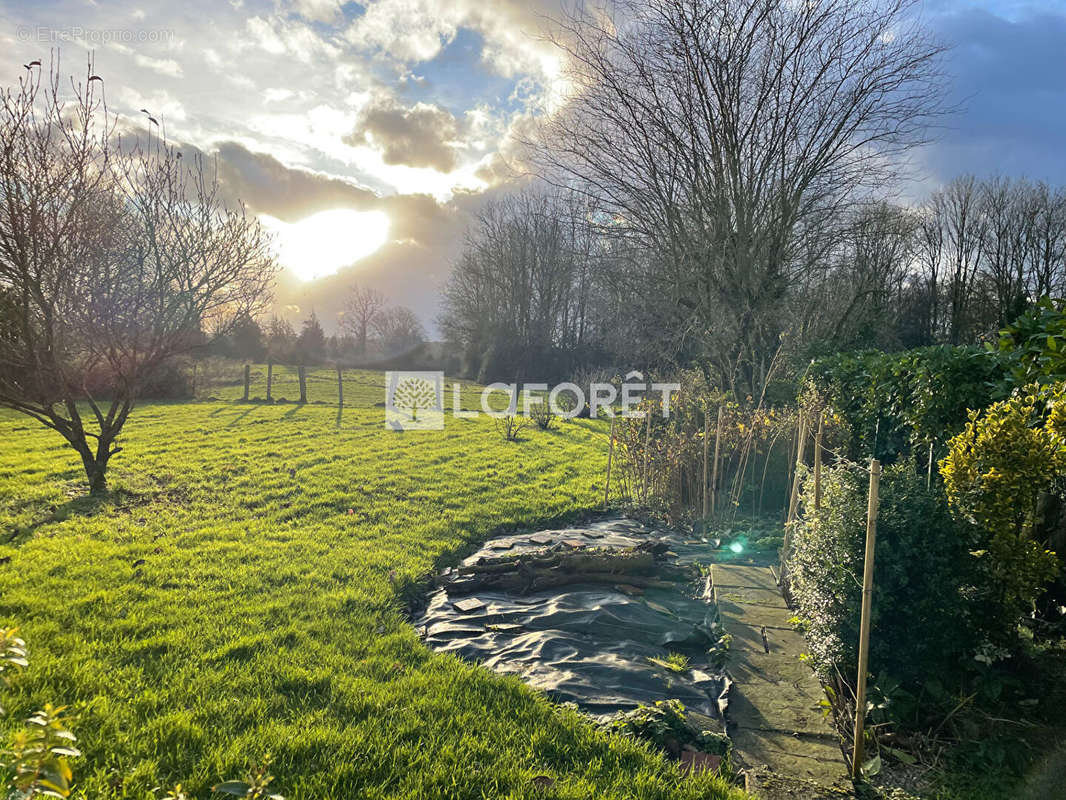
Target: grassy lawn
[{"x": 277, "y": 543}]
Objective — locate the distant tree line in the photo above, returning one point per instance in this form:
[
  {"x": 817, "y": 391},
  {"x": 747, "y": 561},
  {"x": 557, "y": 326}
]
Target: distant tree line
[{"x": 370, "y": 330}]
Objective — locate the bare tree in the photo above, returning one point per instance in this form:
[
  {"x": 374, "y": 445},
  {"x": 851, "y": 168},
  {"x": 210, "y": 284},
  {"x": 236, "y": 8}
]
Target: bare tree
[
  {"x": 398, "y": 329},
  {"x": 718, "y": 133},
  {"x": 959, "y": 213},
  {"x": 362, "y": 306},
  {"x": 523, "y": 294},
  {"x": 112, "y": 261}
]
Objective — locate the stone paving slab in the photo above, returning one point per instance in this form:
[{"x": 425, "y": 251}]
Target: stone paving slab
[
  {"x": 775, "y": 717},
  {"x": 726, "y": 575}
]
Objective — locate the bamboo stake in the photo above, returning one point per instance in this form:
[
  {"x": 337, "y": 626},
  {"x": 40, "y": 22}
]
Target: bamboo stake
[
  {"x": 647, "y": 446},
  {"x": 717, "y": 453},
  {"x": 929, "y": 469},
  {"x": 247, "y": 379},
  {"x": 864, "y": 626},
  {"x": 706, "y": 447},
  {"x": 301, "y": 374},
  {"x": 818, "y": 462},
  {"x": 790, "y": 462},
  {"x": 801, "y": 446},
  {"x": 340, "y": 387},
  {"x": 610, "y": 457},
  {"x": 270, "y": 380}
]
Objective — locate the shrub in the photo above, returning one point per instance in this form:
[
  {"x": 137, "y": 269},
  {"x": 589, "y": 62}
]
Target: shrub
[
  {"x": 510, "y": 426},
  {"x": 921, "y": 618},
  {"x": 995, "y": 473},
  {"x": 542, "y": 415},
  {"x": 893, "y": 404},
  {"x": 1034, "y": 345}
]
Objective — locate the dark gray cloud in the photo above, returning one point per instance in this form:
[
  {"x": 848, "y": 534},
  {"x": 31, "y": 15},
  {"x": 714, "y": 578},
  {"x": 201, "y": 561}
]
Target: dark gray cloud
[
  {"x": 269, "y": 187},
  {"x": 421, "y": 136},
  {"x": 1007, "y": 71}
]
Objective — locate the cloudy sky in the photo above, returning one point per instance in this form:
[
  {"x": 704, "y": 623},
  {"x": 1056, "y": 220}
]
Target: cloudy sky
[{"x": 365, "y": 133}]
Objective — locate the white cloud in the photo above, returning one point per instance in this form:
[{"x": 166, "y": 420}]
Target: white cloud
[{"x": 406, "y": 30}]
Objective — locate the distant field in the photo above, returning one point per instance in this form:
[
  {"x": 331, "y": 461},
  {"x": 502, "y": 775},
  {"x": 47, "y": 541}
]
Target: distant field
[
  {"x": 365, "y": 388},
  {"x": 277, "y": 542}
]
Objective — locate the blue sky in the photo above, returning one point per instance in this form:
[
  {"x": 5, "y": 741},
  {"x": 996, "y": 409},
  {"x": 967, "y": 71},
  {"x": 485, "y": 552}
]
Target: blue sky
[{"x": 399, "y": 113}]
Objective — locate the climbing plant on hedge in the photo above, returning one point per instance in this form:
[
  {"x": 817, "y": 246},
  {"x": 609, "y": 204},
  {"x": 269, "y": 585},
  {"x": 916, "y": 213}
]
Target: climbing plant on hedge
[{"x": 995, "y": 472}]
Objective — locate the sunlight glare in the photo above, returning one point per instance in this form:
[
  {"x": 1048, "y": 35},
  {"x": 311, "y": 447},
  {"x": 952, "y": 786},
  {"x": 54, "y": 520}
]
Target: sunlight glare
[{"x": 325, "y": 242}]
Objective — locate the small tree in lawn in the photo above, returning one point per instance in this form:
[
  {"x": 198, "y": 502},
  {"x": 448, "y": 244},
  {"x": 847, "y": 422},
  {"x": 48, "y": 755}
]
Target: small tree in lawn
[
  {"x": 114, "y": 258},
  {"x": 412, "y": 394}
]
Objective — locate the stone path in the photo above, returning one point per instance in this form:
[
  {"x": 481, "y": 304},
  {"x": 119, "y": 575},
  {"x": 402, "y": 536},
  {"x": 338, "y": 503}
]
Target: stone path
[{"x": 780, "y": 735}]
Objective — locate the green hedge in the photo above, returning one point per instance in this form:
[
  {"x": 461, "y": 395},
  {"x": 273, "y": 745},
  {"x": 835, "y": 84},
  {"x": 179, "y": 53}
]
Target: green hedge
[
  {"x": 922, "y": 620},
  {"x": 894, "y": 404}
]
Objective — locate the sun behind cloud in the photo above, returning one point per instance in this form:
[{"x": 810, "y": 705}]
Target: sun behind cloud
[{"x": 323, "y": 243}]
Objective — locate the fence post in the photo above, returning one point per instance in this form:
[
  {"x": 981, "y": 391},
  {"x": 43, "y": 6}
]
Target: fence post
[
  {"x": 818, "y": 462},
  {"x": 247, "y": 379},
  {"x": 706, "y": 448},
  {"x": 270, "y": 380},
  {"x": 301, "y": 373},
  {"x": 340, "y": 387},
  {"x": 717, "y": 453},
  {"x": 864, "y": 626},
  {"x": 610, "y": 456}
]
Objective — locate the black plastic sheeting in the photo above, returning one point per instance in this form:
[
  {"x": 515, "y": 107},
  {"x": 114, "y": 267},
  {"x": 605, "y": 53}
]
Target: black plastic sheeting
[{"x": 589, "y": 644}]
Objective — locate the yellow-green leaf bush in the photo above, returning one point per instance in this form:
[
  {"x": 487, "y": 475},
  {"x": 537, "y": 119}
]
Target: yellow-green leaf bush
[{"x": 994, "y": 474}]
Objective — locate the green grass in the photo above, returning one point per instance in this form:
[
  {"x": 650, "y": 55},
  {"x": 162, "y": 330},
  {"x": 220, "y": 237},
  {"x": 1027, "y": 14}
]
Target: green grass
[{"x": 278, "y": 542}]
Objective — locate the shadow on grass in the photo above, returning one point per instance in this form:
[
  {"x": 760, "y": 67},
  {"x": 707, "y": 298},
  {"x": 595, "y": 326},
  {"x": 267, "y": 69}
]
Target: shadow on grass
[
  {"x": 87, "y": 506},
  {"x": 237, "y": 419},
  {"x": 84, "y": 506}
]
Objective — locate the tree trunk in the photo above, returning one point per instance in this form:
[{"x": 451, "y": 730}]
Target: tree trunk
[
  {"x": 95, "y": 469},
  {"x": 97, "y": 474}
]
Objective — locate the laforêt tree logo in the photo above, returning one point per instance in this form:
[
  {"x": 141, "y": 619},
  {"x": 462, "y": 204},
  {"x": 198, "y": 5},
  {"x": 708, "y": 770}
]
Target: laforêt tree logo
[{"x": 414, "y": 400}]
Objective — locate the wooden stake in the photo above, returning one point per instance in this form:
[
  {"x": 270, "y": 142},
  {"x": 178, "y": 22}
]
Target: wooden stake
[
  {"x": 801, "y": 446},
  {"x": 340, "y": 387},
  {"x": 929, "y": 469},
  {"x": 706, "y": 448},
  {"x": 790, "y": 462},
  {"x": 864, "y": 626},
  {"x": 610, "y": 457},
  {"x": 717, "y": 454},
  {"x": 647, "y": 446},
  {"x": 818, "y": 462},
  {"x": 247, "y": 379},
  {"x": 270, "y": 380},
  {"x": 301, "y": 373}
]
